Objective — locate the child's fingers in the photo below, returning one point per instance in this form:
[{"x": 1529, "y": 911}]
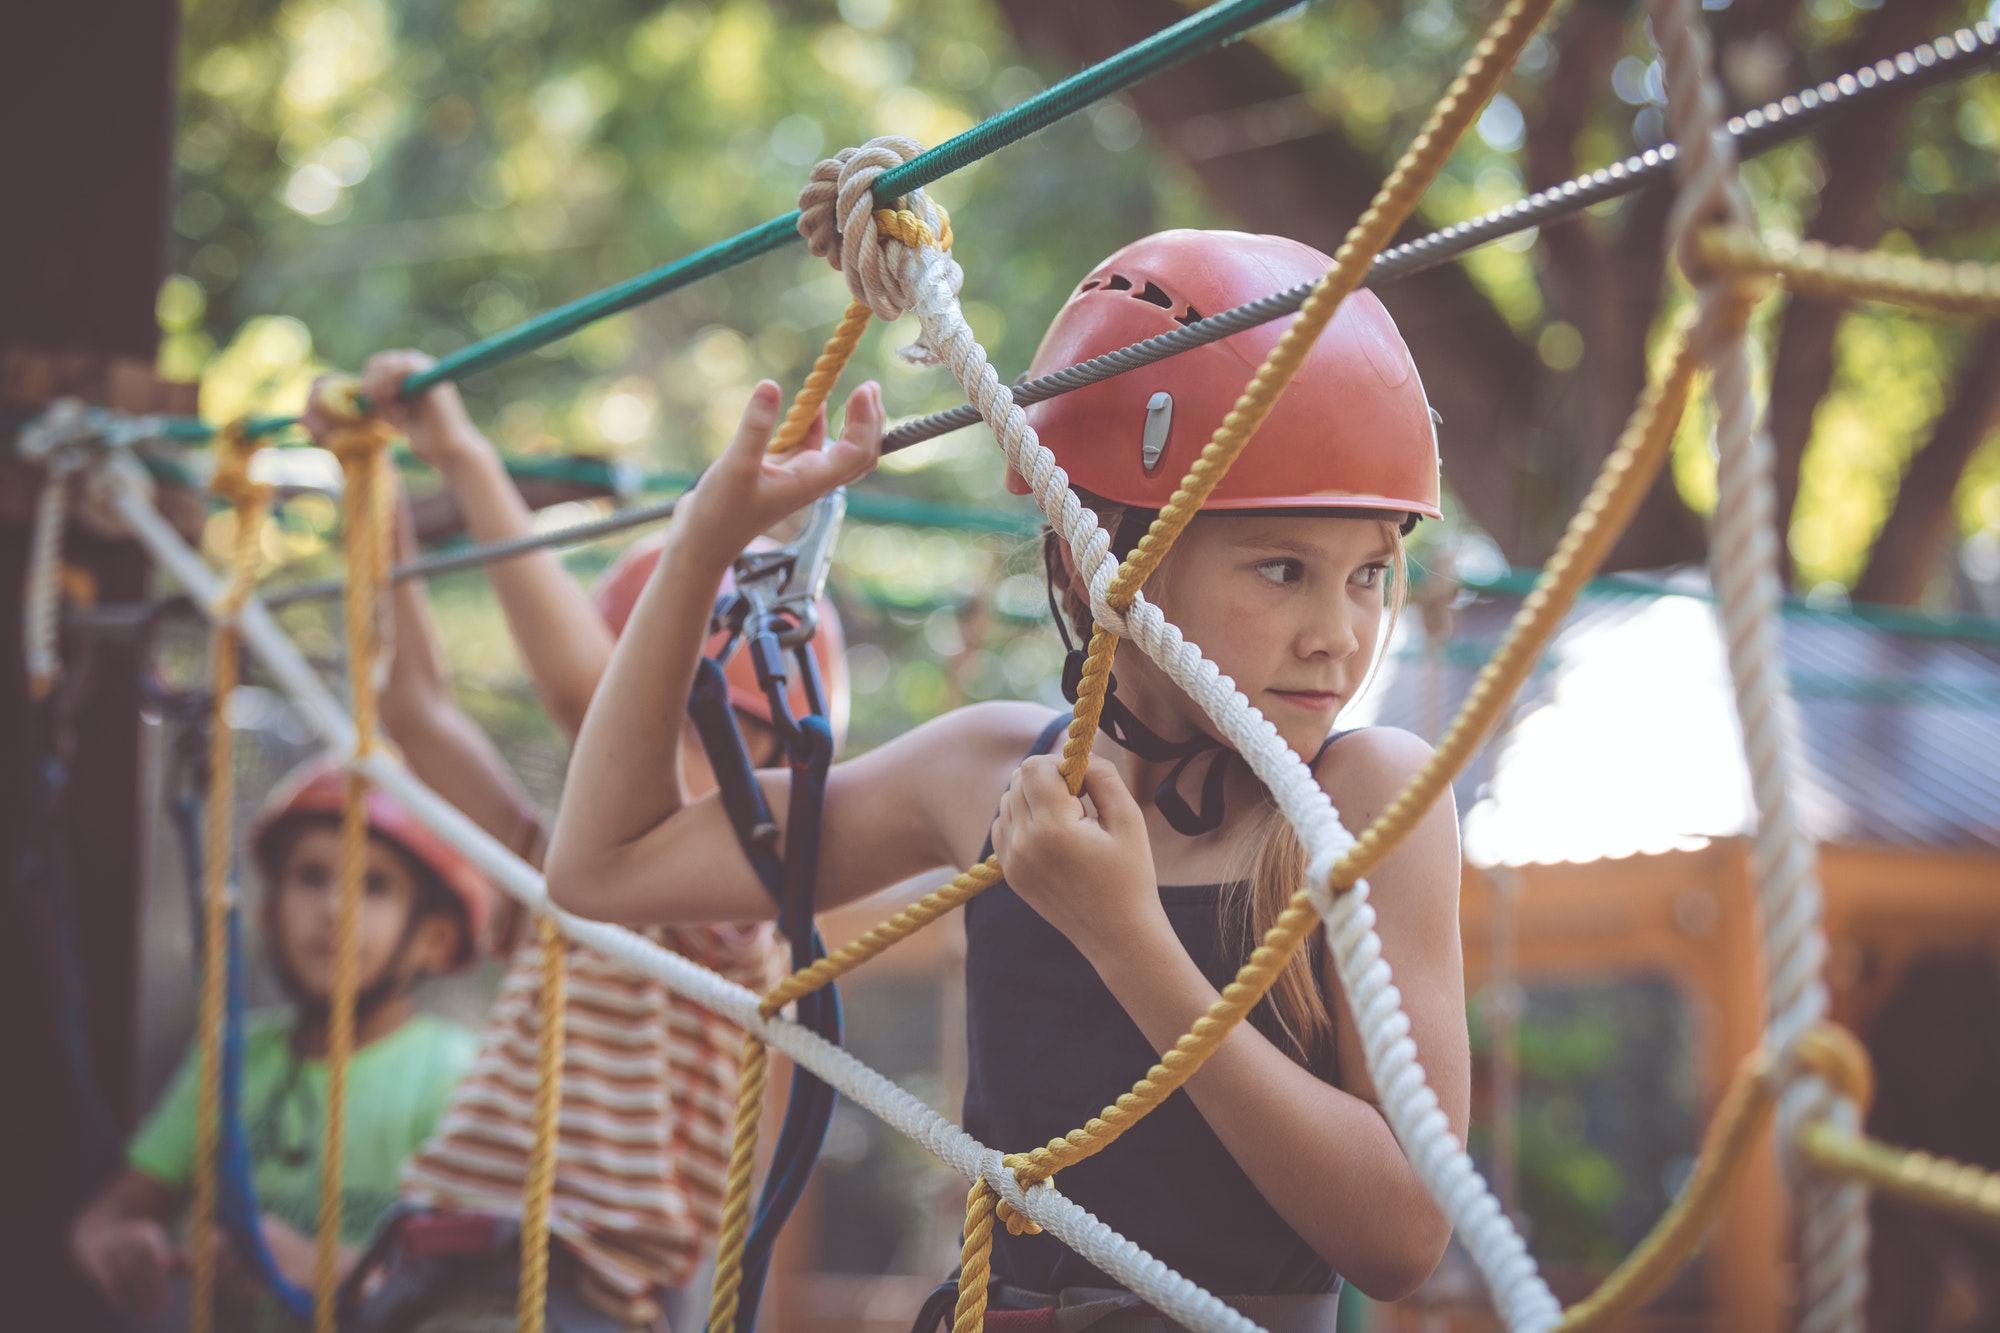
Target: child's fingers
[
  {"x": 382, "y": 378},
  {"x": 1041, "y": 783},
  {"x": 1105, "y": 787},
  {"x": 753, "y": 432}
]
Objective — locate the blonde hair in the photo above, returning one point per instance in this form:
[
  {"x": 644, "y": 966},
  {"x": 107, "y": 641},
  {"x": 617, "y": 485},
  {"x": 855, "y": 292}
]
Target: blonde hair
[{"x": 1251, "y": 905}]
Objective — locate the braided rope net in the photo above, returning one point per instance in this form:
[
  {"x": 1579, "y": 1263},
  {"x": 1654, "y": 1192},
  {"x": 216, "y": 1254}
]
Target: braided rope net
[{"x": 1808, "y": 1074}]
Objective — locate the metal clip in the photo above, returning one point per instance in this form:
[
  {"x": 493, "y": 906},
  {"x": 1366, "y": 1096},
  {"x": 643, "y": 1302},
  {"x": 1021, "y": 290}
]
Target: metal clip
[
  {"x": 782, "y": 586},
  {"x": 1159, "y": 420}
]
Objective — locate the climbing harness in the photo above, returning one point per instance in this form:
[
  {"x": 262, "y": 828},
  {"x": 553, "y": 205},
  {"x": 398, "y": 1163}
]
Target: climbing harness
[{"x": 772, "y": 614}]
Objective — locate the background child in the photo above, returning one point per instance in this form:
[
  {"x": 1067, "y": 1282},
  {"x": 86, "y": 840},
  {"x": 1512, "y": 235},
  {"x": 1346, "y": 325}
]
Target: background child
[
  {"x": 648, "y": 1078},
  {"x": 423, "y": 911}
]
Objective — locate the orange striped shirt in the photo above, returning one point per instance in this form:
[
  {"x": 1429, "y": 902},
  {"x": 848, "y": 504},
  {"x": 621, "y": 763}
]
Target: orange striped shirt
[{"x": 648, "y": 1097}]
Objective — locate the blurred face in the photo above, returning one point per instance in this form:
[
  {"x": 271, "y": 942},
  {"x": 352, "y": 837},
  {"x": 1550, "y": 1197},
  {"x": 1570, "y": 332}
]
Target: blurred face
[
  {"x": 305, "y": 905},
  {"x": 1290, "y": 608}
]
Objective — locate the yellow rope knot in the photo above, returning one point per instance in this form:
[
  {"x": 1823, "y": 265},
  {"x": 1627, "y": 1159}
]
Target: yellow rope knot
[
  {"x": 233, "y": 448},
  {"x": 901, "y": 224},
  {"x": 356, "y": 432},
  {"x": 1837, "y": 1055}
]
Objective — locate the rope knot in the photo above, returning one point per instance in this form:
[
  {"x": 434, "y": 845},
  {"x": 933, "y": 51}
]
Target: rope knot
[
  {"x": 357, "y": 434},
  {"x": 1027, "y": 1177},
  {"x": 234, "y": 448},
  {"x": 1837, "y": 1055},
  {"x": 884, "y": 252}
]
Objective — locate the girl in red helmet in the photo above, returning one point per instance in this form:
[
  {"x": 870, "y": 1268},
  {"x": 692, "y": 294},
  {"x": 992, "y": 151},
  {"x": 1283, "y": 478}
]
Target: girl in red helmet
[
  {"x": 1273, "y": 1173},
  {"x": 423, "y": 913},
  {"x": 648, "y": 1077}
]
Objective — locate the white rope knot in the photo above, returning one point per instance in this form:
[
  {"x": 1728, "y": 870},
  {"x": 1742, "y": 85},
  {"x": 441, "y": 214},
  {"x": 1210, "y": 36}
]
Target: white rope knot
[{"x": 837, "y": 219}]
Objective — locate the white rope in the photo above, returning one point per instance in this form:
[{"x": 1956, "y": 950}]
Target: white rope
[
  {"x": 1743, "y": 560},
  {"x": 1153, "y": 1281},
  {"x": 54, "y": 438},
  {"x": 926, "y": 281}
]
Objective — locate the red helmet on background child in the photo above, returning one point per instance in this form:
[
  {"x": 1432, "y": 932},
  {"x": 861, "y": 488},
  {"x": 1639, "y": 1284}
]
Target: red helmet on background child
[
  {"x": 618, "y": 590},
  {"x": 318, "y": 787},
  {"x": 1353, "y": 429}
]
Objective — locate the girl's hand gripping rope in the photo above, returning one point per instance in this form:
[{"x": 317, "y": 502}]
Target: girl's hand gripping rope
[
  {"x": 749, "y": 490},
  {"x": 1084, "y": 863}
]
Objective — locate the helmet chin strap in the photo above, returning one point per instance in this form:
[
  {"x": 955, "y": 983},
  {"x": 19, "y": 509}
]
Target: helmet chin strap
[{"x": 1123, "y": 726}]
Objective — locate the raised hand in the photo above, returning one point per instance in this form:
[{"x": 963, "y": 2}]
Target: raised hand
[{"x": 749, "y": 490}]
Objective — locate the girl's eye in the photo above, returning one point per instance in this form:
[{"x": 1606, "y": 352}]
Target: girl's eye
[
  {"x": 377, "y": 885},
  {"x": 1370, "y": 576},
  {"x": 1282, "y": 571},
  {"x": 315, "y": 876}
]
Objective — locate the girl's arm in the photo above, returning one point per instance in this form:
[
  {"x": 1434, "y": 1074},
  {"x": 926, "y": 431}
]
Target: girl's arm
[
  {"x": 1322, "y": 1156},
  {"x": 120, "y": 1242},
  {"x": 564, "y": 642},
  {"x": 628, "y": 843},
  {"x": 451, "y": 753}
]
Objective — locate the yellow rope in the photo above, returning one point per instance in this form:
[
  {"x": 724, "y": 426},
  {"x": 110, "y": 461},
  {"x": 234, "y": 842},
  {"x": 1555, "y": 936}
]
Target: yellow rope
[
  {"x": 1623, "y": 481},
  {"x": 1737, "y": 1126},
  {"x": 975, "y": 1259},
  {"x": 1391, "y": 206},
  {"x": 538, "y": 1190},
  {"x": 361, "y": 444},
  {"x": 907, "y": 227},
  {"x": 233, "y": 448},
  {"x": 904, "y": 226},
  {"x": 1935, "y": 1182},
  {"x": 812, "y": 395},
  {"x": 819, "y": 383},
  {"x": 1969, "y": 288},
  {"x": 728, "y": 1280}
]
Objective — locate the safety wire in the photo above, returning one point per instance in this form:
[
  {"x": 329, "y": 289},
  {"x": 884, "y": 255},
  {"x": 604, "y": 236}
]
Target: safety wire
[
  {"x": 251, "y": 501},
  {"x": 361, "y": 444}
]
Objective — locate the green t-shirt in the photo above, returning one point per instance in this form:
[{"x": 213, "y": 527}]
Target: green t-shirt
[{"x": 397, "y": 1088}]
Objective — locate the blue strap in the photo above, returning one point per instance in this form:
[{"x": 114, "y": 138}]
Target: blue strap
[
  {"x": 791, "y": 881},
  {"x": 236, "y": 1188}
]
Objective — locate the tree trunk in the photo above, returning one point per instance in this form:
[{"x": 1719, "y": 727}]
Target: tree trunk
[
  {"x": 1916, "y": 537},
  {"x": 1857, "y": 166}
]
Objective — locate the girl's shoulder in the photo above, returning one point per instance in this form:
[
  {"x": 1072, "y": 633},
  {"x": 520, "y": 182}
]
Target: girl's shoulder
[
  {"x": 1363, "y": 770},
  {"x": 985, "y": 734}
]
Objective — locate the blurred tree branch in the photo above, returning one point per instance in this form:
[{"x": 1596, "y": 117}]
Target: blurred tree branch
[{"x": 1916, "y": 536}]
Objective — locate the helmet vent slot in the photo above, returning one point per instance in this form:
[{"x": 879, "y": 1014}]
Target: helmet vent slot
[
  {"x": 1155, "y": 296},
  {"x": 1187, "y": 317},
  {"x": 1118, "y": 282}
]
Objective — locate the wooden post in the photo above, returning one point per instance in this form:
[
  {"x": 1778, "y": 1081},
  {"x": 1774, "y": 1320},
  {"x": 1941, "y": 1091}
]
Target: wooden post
[{"x": 86, "y": 91}]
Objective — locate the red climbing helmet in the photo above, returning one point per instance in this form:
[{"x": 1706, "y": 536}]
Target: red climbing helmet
[
  {"x": 318, "y": 786},
  {"x": 617, "y": 592},
  {"x": 1353, "y": 430}
]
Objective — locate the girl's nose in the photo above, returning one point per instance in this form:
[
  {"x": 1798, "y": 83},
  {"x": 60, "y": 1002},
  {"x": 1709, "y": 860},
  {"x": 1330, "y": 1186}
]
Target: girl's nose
[{"x": 1328, "y": 629}]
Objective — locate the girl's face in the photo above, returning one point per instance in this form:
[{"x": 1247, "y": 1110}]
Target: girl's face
[
  {"x": 306, "y": 904},
  {"x": 1289, "y": 607}
]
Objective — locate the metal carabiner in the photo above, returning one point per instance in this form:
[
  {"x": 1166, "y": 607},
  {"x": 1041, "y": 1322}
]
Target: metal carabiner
[{"x": 782, "y": 585}]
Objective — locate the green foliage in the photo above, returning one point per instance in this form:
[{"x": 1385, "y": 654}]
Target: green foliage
[{"x": 356, "y": 175}]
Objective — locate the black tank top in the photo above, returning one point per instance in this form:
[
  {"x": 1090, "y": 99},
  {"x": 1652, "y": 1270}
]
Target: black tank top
[{"x": 1048, "y": 1047}]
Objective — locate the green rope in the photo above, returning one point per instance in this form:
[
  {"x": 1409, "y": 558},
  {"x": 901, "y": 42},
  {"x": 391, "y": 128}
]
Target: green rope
[{"x": 1214, "y": 26}]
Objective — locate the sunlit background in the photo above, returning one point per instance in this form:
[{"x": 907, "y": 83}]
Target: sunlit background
[{"x": 356, "y": 175}]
